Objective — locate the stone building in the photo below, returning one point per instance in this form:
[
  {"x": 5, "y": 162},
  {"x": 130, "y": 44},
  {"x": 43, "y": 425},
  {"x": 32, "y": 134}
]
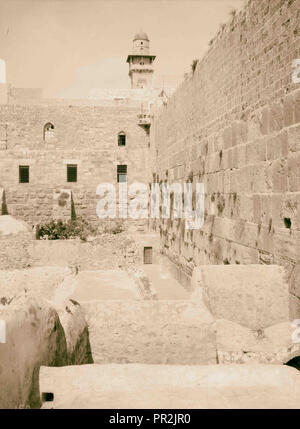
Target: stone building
[
  {"x": 232, "y": 124},
  {"x": 55, "y": 153}
]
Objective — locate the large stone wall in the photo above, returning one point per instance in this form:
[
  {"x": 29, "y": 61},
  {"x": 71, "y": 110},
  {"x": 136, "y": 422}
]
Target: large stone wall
[
  {"x": 234, "y": 124},
  {"x": 84, "y": 135}
]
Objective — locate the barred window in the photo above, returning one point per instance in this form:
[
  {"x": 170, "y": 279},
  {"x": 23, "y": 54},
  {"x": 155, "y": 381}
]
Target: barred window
[
  {"x": 23, "y": 174},
  {"x": 121, "y": 173},
  {"x": 72, "y": 173}
]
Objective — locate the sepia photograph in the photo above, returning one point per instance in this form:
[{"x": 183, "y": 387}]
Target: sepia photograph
[{"x": 149, "y": 208}]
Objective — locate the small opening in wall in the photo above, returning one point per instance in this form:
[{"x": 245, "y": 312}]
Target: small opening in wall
[
  {"x": 121, "y": 173},
  {"x": 71, "y": 173},
  {"x": 24, "y": 174},
  {"x": 121, "y": 139},
  {"x": 287, "y": 222},
  {"x": 47, "y": 396},
  {"x": 147, "y": 255}
]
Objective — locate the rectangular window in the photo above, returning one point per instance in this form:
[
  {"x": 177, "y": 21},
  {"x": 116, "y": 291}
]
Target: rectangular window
[
  {"x": 122, "y": 173},
  {"x": 121, "y": 139},
  {"x": 72, "y": 173},
  {"x": 23, "y": 173}
]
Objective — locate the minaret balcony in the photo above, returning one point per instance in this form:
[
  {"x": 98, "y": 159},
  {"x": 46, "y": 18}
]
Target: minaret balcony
[{"x": 140, "y": 68}]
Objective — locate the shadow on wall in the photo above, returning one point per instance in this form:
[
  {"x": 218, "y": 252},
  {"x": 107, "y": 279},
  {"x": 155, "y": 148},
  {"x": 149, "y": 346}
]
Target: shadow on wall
[
  {"x": 4, "y": 210},
  {"x": 73, "y": 212}
]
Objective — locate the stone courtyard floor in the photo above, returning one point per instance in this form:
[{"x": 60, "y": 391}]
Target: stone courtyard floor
[
  {"x": 165, "y": 285},
  {"x": 104, "y": 284}
]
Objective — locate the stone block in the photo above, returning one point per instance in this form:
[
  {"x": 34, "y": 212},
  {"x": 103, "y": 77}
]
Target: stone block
[
  {"x": 293, "y": 165},
  {"x": 227, "y": 137},
  {"x": 255, "y": 296},
  {"x": 238, "y": 344},
  {"x": 171, "y": 387},
  {"x": 34, "y": 337},
  {"x": 297, "y": 106},
  {"x": 276, "y": 117},
  {"x": 280, "y": 175},
  {"x": 152, "y": 332},
  {"x": 265, "y": 120},
  {"x": 289, "y": 110},
  {"x": 294, "y": 138},
  {"x": 239, "y": 132},
  {"x": 277, "y": 147}
]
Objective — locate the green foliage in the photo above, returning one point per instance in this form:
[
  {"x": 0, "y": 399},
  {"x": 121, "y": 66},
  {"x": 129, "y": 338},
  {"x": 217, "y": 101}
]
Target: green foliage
[{"x": 59, "y": 230}]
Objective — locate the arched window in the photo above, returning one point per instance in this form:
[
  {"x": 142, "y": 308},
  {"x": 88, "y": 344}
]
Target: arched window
[
  {"x": 121, "y": 139},
  {"x": 48, "y": 132}
]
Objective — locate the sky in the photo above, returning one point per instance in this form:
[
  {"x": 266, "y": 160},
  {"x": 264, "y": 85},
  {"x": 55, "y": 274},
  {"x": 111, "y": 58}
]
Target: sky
[{"x": 72, "y": 47}]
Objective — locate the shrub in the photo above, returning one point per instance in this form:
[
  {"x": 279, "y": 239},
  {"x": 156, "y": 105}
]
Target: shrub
[{"x": 59, "y": 230}]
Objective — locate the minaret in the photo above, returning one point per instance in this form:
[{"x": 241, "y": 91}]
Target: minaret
[{"x": 140, "y": 62}]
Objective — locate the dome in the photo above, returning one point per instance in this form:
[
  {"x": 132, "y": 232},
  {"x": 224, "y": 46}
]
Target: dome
[{"x": 141, "y": 36}]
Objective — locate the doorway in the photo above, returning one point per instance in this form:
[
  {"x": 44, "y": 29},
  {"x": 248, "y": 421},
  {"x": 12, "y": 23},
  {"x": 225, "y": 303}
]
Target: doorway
[{"x": 147, "y": 255}]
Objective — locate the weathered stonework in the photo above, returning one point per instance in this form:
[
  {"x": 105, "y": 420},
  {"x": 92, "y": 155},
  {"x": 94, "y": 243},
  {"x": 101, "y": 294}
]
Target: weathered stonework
[
  {"x": 84, "y": 135},
  {"x": 233, "y": 124}
]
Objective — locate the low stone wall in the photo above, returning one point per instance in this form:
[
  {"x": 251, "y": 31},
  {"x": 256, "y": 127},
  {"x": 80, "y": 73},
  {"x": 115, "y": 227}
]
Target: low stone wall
[
  {"x": 152, "y": 332},
  {"x": 15, "y": 252},
  {"x": 255, "y": 296},
  {"x": 253, "y": 310},
  {"x": 42, "y": 281},
  {"x": 107, "y": 251},
  {"x": 172, "y": 386}
]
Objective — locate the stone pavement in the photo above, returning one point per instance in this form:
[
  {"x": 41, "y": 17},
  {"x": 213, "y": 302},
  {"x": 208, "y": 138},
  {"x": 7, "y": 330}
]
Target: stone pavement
[{"x": 165, "y": 285}]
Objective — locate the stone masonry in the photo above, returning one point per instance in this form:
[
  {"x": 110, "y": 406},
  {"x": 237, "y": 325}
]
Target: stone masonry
[{"x": 234, "y": 125}]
